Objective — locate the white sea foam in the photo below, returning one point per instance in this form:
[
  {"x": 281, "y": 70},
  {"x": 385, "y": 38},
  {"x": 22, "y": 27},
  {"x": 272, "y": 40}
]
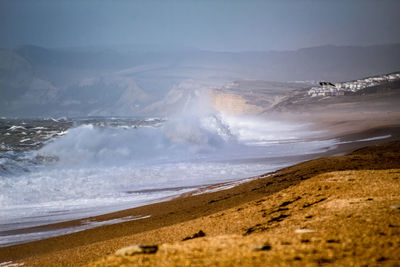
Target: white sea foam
[
  {"x": 375, "y": 138},
  {"x": 102, "y": 169},
  {"x": 367, "y": 139},
  {"x": 16, "y": 127}
]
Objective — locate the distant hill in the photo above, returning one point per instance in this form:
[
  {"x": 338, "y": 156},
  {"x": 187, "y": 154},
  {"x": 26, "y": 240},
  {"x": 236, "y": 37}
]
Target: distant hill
[
  {"x": 376, "y": 92},
  {"x": 37, "y": 81}
]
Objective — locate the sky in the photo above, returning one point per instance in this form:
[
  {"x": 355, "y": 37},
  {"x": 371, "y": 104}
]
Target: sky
[{"x": 216, "y": 25}]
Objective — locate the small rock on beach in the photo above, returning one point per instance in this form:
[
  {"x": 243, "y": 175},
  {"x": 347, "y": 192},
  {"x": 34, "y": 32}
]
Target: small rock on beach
[{"x": 137, "y": 249}]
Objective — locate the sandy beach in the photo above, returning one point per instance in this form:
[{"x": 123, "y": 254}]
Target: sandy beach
[
  {"x": 199, "y": 133},
  {"x": 334, "y": 209}
]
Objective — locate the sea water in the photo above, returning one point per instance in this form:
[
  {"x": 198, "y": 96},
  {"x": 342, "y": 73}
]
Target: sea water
[{"x": 54, "y": 170}]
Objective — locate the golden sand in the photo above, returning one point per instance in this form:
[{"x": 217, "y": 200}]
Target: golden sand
[{"x": 344, "y": 218}]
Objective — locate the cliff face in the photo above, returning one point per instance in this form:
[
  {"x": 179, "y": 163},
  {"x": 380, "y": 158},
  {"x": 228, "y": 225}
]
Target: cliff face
[
  {"x": 251, "y": 96},
  {"x": 232, "y": 104}
]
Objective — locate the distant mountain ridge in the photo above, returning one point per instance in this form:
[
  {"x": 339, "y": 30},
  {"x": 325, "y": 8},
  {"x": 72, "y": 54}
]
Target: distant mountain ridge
[{"x": 37, "y": 81}]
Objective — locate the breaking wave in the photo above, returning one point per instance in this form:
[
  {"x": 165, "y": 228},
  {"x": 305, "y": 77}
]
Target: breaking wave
[
  {"x": 186, "y": 138},
  {"x": 99, "y": 167}
]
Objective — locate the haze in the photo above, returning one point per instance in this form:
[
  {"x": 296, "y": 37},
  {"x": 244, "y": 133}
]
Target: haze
[
  {"x": 222, "y": 25},
  {"x": 149, "y": 58}
]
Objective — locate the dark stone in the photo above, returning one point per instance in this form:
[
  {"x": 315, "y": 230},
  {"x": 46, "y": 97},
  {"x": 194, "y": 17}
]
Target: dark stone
[
  {"x": 332, "y": 241},
  {"x": 289, "y": 202},
  {"x": 381, "y": 259},
  {"x": 256, "y": 228},
  {"x": 264, "y": 247},
  {"x": 196, "y": 235},
  {"x": 137, "y": 249},
  {"x": 278, "y": 218},
  {"x": 310, "y": 204},
  {"x": 324, "y": 260},
  {"x": 278, "y": 210}
]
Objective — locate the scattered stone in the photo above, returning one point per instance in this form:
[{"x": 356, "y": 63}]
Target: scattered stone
[
  {"x": 321, "y": 261},
  {"x": 332, "y": 241},
  {"x": 196, "y": 235},
  {"x": 297, "y": 258},
  {"x": 395, "y": 207},
  {"x": 305, "y": 241},
  {"x": 310, "y": 204},
  {"x": 249, "y": 231},
  {"x": 370, "y": 198},
  {"x": 278, "y": 218},
  {"x": 289, "y": 202},
  {"x": 260, "y": 201},
  {"x": 137, "y": 249},
  {"x": 274, "y": 211},
  {"x": 265, "y": 246},
  {"x": 256, "y": 228},
  {"x": 309, "y": 217},
  {"x": 381, "y": 259}
]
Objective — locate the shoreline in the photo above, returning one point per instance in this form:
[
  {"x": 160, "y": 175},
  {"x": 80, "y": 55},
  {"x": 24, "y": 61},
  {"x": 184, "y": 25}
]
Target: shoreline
[
  {"x": 347, "y": 143},
  {"x": 187, "y": 207}
]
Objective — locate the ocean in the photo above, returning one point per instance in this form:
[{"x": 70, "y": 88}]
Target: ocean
[{"x": 54, "y": 170}]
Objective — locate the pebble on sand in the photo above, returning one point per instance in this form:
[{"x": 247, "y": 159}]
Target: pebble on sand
[
  {"x": 265, "y": 246},
  {"x": 196, "y": 235},
  {"x": 137, "y": 249}
]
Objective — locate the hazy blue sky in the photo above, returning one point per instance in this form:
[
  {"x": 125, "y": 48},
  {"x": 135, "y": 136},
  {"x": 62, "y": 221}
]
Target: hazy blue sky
[{"x": 223, "y": 25}]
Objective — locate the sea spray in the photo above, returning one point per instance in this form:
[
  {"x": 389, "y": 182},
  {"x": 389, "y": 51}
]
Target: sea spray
[
  {"x": 106, "y": 164},
  {"x": 93, "y": 163}
]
